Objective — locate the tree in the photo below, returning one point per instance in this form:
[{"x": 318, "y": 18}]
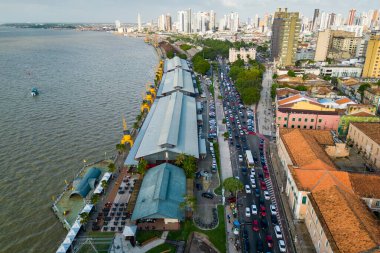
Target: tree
[
  {"x": 104, "y": 184},
  {"x": 301, "y": 88},
  {"x": 111, "y": 167},
  {"x": 94, "y": 199},
  {"x": 170, "y": 54},
  {"x": 179, "y": 159},
  {"x": 226, "y": 135},
  {"x": 121, "y": 148},
  {"x": 142, "y": 166},
  {"x": 233, "y": 185},
  {"x": 305, "y": 77},
  {"x": 189, "y": 166},
  {"x": 275, "y": 76},
  {"x": 273, "y": 90},
  {"x": 291, "y": 73},
  {"x": 84, "y": 218}
]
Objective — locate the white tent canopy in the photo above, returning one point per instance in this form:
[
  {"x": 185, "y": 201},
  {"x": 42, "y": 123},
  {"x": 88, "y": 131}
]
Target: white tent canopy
[
  {"x": 87, "y": 208},
  {"x": 129, "y": 230},
  {"x": 62, "y": 249},
  {"x": 105, "y": 177}
]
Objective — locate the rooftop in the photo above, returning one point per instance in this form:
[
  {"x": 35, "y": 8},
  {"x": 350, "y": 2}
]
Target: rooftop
[
  {"x": 178, "y": 79},
  {"x": 372, "y": 130},
  {"x": 161, "y": 193},
  {"x": 174, "y": 63},
  {"x": 172, "y": 127},
  {"x": 366, "y": 186},
  {"x": 352, "y": 227},
  {"x": 305, "y": 147}
]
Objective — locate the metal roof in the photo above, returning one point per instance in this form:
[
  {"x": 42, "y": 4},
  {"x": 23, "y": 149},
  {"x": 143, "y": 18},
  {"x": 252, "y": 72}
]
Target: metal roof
[
  {"x": 178, "y": 79},
  {"x": 87, "y": 182},
  {"x": 172, "y": 127},
  {"x": 175, "y": 62},
  {"x": 202, "y": 146},
  {"x": 130, "y": 161},
  {"x": 162, "y": 190}
]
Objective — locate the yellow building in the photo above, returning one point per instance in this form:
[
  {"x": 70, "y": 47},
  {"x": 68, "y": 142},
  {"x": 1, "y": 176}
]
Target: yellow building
[
  {"x": 285, "y": 32},
  {"x": 372, "y": 61}
]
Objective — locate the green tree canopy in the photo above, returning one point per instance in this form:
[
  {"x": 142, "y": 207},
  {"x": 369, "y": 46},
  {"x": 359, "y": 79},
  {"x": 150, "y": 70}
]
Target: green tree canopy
[
  {"x": 84, "y": 218},
  {"x": 291, "y": 73},
  {"x": 95, "y": 199},
  {"x": 179, "y": 159},
  {"x": 189, "y": 166},
  {"x": 233, "y": 185},
  {"x": 142, "y": 166},
  {"x": 170, "y": 54},
  {"x": 188, "y": 202},
  {"x": 111, "y": 167}
]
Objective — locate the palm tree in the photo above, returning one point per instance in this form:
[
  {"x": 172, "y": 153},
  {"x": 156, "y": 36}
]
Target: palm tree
[
  {"x": 94, "y": 199},
  {"x": 189, "y": 166},
  {"x": 111, "y": 167},
  {"x": 84, "y": 218},
  {"x": 121, "y": 148},
  {"x": 188, "y": 202},
  {"x": 104, "y": 184},
  {"x": 142, "y": 166},
  {"x": 136, "y": 125},
  {"x": 180, "y": 159}
]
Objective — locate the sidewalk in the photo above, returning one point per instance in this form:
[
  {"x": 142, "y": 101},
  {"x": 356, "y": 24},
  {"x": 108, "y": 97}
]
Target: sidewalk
[
  {"x": 297, "y": 228},
  {"x": 120, "y": 245},
  {"x": 230, "y": 235}
]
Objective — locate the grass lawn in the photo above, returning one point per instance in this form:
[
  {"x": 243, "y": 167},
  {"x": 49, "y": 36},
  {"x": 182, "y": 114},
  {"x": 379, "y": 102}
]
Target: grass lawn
[
  {"x": 166, "y": 247},
  {"x": 218, "y": 190},
  {"x": 216, "y": 236},
  {"x": 142, "y": 236}
]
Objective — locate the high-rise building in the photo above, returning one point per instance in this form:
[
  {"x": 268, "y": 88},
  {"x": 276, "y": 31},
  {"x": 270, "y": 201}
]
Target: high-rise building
[
  {"x": 285, "y": 32},
  {"x": 184, "y": 21},
  {"x": 351, "y": 17},
  {"x": 315, "y": 18},
  {"x": 212, "y": 20},
  {"x": 371, "y": 66},
  {"x": 234, "y": 21},
  {"x": 161, "y": 22},
  {"x": 256, "y": 21},
  {"x": 138, "y": 22},
  {"x": 168, "y": 22}
]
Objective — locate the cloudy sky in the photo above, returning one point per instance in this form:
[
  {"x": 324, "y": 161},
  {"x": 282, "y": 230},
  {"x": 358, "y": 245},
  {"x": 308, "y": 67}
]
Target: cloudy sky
[{"x": 126, "y": 10}]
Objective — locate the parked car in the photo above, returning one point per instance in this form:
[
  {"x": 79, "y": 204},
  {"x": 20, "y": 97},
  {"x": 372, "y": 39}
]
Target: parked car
[
  {"x": 207, "y": 195},
  {"x": 277, "y": 232},
  {"x": 254, "y": 209},
  {"x": 269, "y": 241},
  {"x": 266, "y": 195},
  {"x": 281, "y": 246},
  {"x": 273, "y": 210}
]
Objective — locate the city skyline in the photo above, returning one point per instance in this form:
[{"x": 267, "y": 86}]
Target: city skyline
[{"x": 101, "y": 11}]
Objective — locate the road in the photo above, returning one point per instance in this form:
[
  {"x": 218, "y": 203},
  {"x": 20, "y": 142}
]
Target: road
[{"x": 251, "y": 142}]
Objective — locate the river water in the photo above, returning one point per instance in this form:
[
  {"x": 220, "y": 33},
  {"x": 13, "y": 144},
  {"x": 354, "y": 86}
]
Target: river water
[{"x": 87, "y": 81}]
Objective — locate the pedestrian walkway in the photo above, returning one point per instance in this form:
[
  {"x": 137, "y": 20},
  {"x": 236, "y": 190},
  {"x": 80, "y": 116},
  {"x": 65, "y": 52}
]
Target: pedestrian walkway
[
  {"x": 120, "y": 245},
  {"x": 230, "y": 235}
]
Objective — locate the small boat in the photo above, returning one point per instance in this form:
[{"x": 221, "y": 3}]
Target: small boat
[{"x": 34, "y": 92}]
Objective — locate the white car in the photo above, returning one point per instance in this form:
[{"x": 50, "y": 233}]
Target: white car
[
  {"x": 240, "y": 158},
  {"x": 247, "y": 189},
  {"x": 253, "y": 184},
  {"x": 266, "y": 195},
  {"x": 277, "y": 232},
  {"x": 254, "y": 209},
  {"x": 273, "y": 209},
  {"x": 281, "y": 245},
  {"x": 247, "y": 212},
  {"x": 252, "y": 177},
  {"x": 253, "y": 172}
]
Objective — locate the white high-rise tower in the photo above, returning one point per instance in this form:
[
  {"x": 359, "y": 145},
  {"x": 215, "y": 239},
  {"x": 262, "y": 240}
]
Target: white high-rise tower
[{"x": 138, "y": 22}]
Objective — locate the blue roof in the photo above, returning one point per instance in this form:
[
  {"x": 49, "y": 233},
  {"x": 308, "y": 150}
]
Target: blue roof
[
  {"x": 87, "y": 182},
  {"x": 162, "y": 190}
]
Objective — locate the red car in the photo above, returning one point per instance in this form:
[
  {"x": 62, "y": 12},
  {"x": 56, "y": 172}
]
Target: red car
[
  {"x": 266, "y": 174},
  {"x": 269, "y": 240},
  {"x": 255, "y": 225},
  {"x": 262, "y": 211},
  {"x": 263, "y": 185}
]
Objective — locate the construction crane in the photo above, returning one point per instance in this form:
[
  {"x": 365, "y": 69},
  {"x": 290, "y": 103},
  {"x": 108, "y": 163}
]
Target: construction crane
[{"x": 127, "y": 138}]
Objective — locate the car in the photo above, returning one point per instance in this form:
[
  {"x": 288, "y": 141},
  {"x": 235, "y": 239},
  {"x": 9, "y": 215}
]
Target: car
[
  {"x": 247, "y": 212},
  {"x": 281, "y": 245},
  {"x": 254, "y": 209},
  {"x": 207, "y": 195},
  {"x": 263, "y": 185},
  {"x": 274, "y": 219},
  {"x": 257, "y": 192},
  {"x": 253, "y": 184},
  {"x": 262, "y": 211},
  {"x": 255, "y": 225},
  {"x": 252, "y": 177},
  {"x": 269, "y": 241},
  {"x": 247, "y": 189},
  {"x": 253, "y": 171},
  {"x": 277, "y": 232},
  {"x": 273, "y": 210},
  {"x": 266, "y": 195},
  {"x": 240, "y": 158}
]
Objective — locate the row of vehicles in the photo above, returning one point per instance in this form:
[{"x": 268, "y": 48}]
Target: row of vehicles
[
  {"x": 259, "y": 210},
  {"x": 212, "y": 120}
]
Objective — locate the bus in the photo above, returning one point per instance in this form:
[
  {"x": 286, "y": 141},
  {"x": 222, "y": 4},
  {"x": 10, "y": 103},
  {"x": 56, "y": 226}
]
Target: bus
[{"x": 249, "y": 158}]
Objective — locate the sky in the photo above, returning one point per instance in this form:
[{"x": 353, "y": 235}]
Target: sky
[{"x": 107, "y": 11}]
